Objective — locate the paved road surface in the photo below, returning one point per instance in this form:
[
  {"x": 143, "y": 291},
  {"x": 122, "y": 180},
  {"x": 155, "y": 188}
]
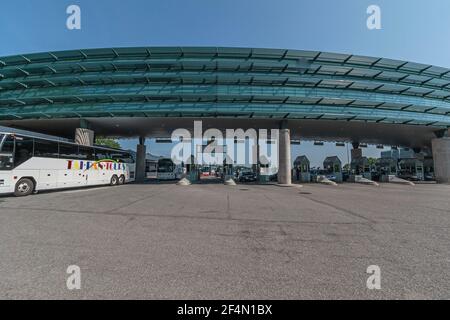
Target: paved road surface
[{"x": 220, "y": 242}]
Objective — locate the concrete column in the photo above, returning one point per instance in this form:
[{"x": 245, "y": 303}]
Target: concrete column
[
  {"x": 284, "y": 157},
  {"x": 141, "y": 152},
  {"x": 441, "y": 156},
  {"x": 84, "y": 137},
  {"x": 258, "y": 163},
  {"x": 356, "y": 152}
]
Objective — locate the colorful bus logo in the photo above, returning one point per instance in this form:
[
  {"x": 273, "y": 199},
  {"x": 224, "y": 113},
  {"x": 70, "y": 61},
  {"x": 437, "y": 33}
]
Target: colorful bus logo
[{"x": 95, "y": 165}]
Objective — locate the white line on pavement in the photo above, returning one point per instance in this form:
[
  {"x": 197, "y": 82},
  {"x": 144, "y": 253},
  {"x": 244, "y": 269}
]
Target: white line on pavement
[{"x": 83, "y": 190}]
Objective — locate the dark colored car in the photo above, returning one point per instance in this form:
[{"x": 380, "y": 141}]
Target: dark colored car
[
  {"x": 247, "y": 177},
  {"x": 345, "y": 175},
  {"x": 376, "y": 176}
]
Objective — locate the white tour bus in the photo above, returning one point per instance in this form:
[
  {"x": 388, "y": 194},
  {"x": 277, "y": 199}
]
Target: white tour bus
[
  {"x": 33, "y": 162},
  {"x": 168, "y": 170}
]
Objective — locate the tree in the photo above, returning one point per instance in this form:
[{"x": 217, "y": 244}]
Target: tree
[
  {"x": 372, "y": 161},
  {"x": 107, "y": 142}
]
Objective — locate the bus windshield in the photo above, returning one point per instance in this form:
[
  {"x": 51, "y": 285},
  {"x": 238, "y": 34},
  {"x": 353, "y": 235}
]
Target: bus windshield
[
  {"x": 166, "y": 166},
  {"x": 6, "y": 152},
  {"x": 2, "y": 136}
]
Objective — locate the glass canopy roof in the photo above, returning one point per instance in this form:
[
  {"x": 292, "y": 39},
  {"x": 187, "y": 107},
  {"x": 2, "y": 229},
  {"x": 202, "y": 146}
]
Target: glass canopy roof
[{"x": 210, "y": 81}]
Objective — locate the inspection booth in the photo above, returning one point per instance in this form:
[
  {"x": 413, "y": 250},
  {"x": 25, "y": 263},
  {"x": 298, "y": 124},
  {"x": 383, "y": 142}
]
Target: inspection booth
[
  {"x": 428, "y": 169},
  {"x": 302, "y": 170},
  {"x": 332, "y": 168},
  {"x": 411, "y": 169},
  {"x": 386, "y": 167},
  {"x": 192, "y": 169},
  {"x": 360, "y": 167},
  {"x": 229, "y": 170}
]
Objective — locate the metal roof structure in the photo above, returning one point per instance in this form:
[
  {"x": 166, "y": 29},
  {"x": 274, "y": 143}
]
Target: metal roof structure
[
  {"x": 301, "y": 160},
  {"x": 222, "y": 82}
]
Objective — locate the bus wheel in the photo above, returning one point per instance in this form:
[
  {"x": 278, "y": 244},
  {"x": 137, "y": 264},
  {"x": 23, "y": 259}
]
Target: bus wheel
[
  {"x": 122, "y": 179},
  {"x": 24, "y": 187},
  {"x": 114, "y": 180}
]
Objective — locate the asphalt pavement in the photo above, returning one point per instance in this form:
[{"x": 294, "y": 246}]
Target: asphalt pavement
[{"x": 210, "y": 241}]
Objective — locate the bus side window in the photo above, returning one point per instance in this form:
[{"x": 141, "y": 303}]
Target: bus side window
[
  {"x": 68, "y": 151},
  {"x": 127, "y": 158},
  {"x": 45, "y": 149},
  {"x": 102, "y": 154},
  {"x": 24, "y": 150},
  {"x": 118, "y": 156},
  {"x": 86, "y": 153}
]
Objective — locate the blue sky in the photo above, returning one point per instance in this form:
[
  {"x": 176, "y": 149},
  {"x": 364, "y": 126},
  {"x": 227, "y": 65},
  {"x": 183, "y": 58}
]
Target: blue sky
[{"x": 415, "y": 30}]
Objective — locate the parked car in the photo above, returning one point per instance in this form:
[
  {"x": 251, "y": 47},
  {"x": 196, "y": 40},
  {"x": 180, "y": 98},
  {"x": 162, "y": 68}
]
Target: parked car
[
  {"x": 206, "y": 172},
  {"x": 329, "y": 176},
  {"x": 345, "y": 175},
  {"x": 247, "y": 177},
  {"x": 376, "y": 176}
]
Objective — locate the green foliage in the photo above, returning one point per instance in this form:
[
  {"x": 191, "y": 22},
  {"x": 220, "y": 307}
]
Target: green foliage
[
  {"x": 372, "y": 161},
  {"x": 107, "y": 142}
]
